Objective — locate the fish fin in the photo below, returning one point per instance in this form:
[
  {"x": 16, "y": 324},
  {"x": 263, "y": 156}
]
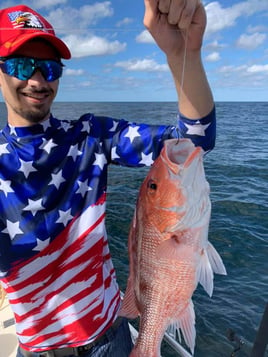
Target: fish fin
[
  {"x": 210, "y": 262},
  {"x": 129, "y": 308},
  {"x": 186, "y": 324},
  {"x": 174, "y": 331},
  {"x": 215, "y": 260},
  {"x": 205, "y": 273}
]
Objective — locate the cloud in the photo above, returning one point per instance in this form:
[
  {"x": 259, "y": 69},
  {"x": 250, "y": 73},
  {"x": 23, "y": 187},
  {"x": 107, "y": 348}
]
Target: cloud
[
  {"x": 232, "y": 69},
  {"x": 126, "y": 21},
  {"x": 92, "y": 46},
  {"x": 219, "y": 18},
  {"x": 251, "y": 41},
  {"x": 258, "y": 68},
  {"x": 258, "y": 28},
  {"x": 240, "y": 76},
  {"x": 214, "y": 46},
  {"x": 73, "y": 72},
  {"x": 70, "y": 20},
  {"x": 144, "y": 65},
  {"x": 213, "y": 57},
  {"x": 145, "y": 37}
]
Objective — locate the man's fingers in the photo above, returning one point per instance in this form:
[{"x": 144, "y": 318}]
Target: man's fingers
[
  {"x": 187, "y": 13},
  {"x": 151, "y": 10},
  {"x": 164, "y": 6},
  {"x": 179, "y": 12}
]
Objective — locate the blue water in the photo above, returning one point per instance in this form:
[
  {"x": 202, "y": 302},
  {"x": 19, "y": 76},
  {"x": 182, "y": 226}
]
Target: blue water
[{"x": 237, "y": 170}]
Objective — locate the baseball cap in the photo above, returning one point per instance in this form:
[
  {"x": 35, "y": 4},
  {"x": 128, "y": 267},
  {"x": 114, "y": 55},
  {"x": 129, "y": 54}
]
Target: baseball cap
[{"x": 20, "y": 24}]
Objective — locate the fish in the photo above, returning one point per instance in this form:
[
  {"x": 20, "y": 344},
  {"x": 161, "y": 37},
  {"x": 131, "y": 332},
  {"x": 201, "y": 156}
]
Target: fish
[{"x": 168, "y": 248}]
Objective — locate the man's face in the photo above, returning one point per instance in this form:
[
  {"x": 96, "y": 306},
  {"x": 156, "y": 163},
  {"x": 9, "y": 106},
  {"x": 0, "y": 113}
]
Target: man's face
[{"x": 29, "y": 101}]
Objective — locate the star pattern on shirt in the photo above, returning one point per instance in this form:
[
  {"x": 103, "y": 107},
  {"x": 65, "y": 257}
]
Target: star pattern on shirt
[
  {"x": 41, "y": 245},
  {"x": 83, "y": 188},
  {"x": 114, "y": 153},
  {"x": 12, "y": 130},
  {"x": 66, "y": 125},
  {"x": 100, "y": 160},
  {"x": 34, "y": 206},
  {"x": 5, "y": 186},
  {"x": 46, "y": 124},
  {"x": 146, "y": 160},
  {"x": 132, "y": 133},
  {"x": 74, "y": 152},
  {"x": 26, "y": 168},
  {"x": 64, "y": 217},
  {"x": 85, "y": 127},
  {"x": 3, "y": 149},
  {"x": 57, "y": 179},
  {"x": 48, "y": 145},
  {"x": 114, "y": 127},
  {"x": 197, "y": 128},
  {"x": 12, "y": 228}
]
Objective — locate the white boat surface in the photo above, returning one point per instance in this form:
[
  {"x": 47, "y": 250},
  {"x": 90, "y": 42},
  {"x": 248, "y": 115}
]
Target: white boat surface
[{"x": 8, "y": 339}]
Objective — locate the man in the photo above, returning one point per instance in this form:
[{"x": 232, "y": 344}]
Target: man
[{"x": 55, "y": 263}]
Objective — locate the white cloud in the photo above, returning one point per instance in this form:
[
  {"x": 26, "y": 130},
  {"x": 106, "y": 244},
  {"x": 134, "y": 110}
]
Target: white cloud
[
  {"x": 70, "y": 20},
  {"x": 213, "y": 57},
  {"x": 232, "y": 69},
  {"x": 92, "y": 46},
  {"x": 73, "y": 72},
  {"x": 215, "y": 45},
  {"x": 240, "y": 76},
  {"x": 258, "y": 68},
  {"x": 219, "y": 18},
  {"x": 258, "y": 28},
  {"x": 147, "y": 65},
  {"x": 145, "y": 37},
  {"x": 251, "y": 41},
  {"x": 124, "y": 22}
]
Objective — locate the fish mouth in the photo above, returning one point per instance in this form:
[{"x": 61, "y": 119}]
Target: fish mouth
[
  {"x": 185, "y": 167},
  {"x": 180, "y": 154}
]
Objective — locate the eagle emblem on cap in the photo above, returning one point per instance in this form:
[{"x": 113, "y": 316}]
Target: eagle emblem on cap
[
  {"x": 25, "y": 19},
  {"x": 28, "y": 20}
]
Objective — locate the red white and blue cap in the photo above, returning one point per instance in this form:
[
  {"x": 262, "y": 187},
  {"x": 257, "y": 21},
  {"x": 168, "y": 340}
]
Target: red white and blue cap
[{"x": 20, "y": 24}]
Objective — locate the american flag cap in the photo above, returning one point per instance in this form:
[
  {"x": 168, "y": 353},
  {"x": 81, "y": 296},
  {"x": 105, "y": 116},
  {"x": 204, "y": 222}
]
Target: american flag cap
[{"x": 20, "y": 24}]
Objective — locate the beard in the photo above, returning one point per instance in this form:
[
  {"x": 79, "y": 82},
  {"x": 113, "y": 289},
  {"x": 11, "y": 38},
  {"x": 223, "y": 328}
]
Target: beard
[
  {"x": 35, "y": 112},
  {"x": 34, "y": 115}
]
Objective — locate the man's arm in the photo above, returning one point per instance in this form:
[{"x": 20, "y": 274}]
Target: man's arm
[{"x": 175, "y": 24}]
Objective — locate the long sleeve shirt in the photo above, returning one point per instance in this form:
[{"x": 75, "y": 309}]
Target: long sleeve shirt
[{"x": 55, "y": 263}]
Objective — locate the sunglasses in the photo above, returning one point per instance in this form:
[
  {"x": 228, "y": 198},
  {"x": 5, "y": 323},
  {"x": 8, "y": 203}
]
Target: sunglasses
[{"x": 24, "y": 67}]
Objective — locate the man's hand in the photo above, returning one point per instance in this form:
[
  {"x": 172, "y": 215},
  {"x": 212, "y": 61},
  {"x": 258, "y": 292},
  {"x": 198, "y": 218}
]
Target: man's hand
[{"x": 170, "y": 21}]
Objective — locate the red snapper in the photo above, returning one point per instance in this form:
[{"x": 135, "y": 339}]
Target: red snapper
[{"x": 168, "y": 247}]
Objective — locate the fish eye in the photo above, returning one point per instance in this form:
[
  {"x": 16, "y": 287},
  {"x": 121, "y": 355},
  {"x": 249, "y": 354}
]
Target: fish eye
[{"x": 152, "y": 185}]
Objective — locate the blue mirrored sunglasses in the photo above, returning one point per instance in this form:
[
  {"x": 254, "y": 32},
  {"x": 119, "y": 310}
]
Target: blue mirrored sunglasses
[{"x": 24, "y": 67}]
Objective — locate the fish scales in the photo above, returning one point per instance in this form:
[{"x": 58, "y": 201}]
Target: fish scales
[{"x": 168, "y": 248}]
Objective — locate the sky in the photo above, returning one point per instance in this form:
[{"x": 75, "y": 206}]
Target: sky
[{"x": 114, "y": 58}]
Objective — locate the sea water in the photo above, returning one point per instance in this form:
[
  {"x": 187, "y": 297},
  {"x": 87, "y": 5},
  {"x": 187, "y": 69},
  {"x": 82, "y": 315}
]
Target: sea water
[{"x": 237, "y": 170}]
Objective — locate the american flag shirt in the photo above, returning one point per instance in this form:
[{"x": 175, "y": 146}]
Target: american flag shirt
[{"x": 55, "y": 263}]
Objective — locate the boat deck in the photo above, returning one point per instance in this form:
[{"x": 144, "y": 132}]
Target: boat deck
[{"x": 8, "y": 339}]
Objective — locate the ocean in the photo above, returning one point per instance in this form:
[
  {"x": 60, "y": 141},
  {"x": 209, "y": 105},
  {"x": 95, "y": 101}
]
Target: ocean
[{"x": 237, "y": 170}]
